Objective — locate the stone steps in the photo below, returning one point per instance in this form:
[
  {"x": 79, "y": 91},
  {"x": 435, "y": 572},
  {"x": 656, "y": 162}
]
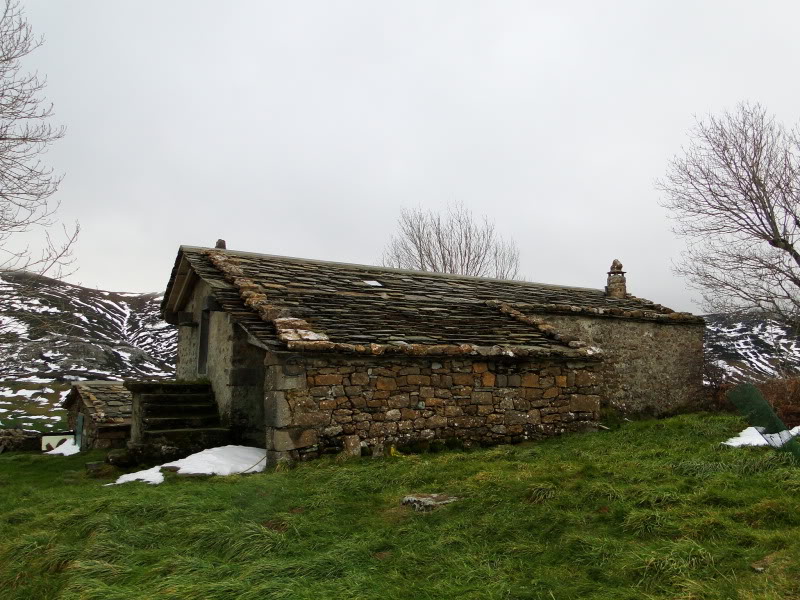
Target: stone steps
[
  {"x": 164, "y": 398},
  {"x": 175, "y": 420},
  {"x": 177, "y": 410},
  {"x": 172, "y": 423}
]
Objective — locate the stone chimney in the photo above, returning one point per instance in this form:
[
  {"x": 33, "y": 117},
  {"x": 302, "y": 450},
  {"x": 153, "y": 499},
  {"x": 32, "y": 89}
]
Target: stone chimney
[
  {"x": 220, "y": 244},
  {"x": 616, "y": 288}
]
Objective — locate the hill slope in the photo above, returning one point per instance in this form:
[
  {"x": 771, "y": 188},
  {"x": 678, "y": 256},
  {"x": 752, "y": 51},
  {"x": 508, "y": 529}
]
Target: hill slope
[
  {"x": 50, "y": 330},
  {"x": 748, "y": 348},
  {"x": 657, "y": 509}
]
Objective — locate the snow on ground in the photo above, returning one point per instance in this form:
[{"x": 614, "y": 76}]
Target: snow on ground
[
  {"x": 68, "y": 448},
  {"x": 752, "y": 437},
  {"x": 9, "y": 393},
  {"x": 224, "y": 460}
]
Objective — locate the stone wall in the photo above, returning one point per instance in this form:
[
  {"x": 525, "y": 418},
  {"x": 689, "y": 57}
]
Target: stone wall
[
  {"x": 94, "y": 435},
  {"x": 234, "y": 368},
  {"x": 648, "y": 368},
  {"x": 20, "y": 440},
  {"x": 320, "y": 404}
]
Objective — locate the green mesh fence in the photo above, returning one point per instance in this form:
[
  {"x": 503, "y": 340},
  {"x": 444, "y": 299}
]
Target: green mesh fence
[{"x": 759, "y": 414}]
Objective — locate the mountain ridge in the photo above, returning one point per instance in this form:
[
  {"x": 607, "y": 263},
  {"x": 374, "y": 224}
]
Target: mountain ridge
[{"x": 53, "y": 330}]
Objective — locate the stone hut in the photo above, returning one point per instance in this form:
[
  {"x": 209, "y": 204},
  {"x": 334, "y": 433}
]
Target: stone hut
[
  {"x": 309, "y": 357},
  {"x": 100, "y": 414}
]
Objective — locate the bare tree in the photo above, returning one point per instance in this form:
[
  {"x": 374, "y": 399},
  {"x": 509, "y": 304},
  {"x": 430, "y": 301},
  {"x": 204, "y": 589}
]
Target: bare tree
[
  {"x": 735, "y": 195},
  {"x": 451, "y": 243},
  {"x": 26, "y": 184},
  {"x": 27, "y": 207}
]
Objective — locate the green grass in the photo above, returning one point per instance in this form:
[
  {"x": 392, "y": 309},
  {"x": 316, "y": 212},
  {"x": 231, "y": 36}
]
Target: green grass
[
  {"x": 655, "y": 509},
  {"x": 40, "y": 411}
]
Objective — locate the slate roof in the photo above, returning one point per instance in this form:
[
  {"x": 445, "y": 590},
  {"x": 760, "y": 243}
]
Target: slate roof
[
  {"x": 108, "y": 402},
  {"x": 305, "y": 304}
]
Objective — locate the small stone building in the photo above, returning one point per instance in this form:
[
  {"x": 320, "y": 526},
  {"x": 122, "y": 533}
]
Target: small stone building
[
  {"x": 308, "y": 357},
  {"x": 100, "y": 414}
]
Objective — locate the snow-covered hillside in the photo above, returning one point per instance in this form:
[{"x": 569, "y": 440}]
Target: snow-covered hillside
[
  {"x": 752, "y": 348},
  {"x": 52, "y": 330}
]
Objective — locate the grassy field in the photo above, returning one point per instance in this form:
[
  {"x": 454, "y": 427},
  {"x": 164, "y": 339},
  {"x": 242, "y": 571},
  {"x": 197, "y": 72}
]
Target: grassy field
[
  {"x": 36, "y": 406},
  {"x": 655, "y": 509}
]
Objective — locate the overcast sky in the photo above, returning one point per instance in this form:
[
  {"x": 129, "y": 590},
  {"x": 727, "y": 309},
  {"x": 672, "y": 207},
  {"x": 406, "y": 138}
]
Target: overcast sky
[{"x": 302, "y": 128}]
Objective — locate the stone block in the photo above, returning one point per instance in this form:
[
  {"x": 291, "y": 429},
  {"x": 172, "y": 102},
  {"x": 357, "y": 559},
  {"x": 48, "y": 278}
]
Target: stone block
[
  {"x": 386, "y": 383},
  {"x": 462, "y": 379},
  {"x": 534, "y": 417},
  {"x": 551, "y": 392},
  {"x": 580, "y": 403},
  {"x": 480, "y": 367},
  {"x": 399, "y": 401},
  {"x": 311, "y": 419},
  {"x": 482, "y": 397},
  {"x": 426, "y": 392},
  {"x": 276, "y": 409},
  {"x": 436, "y": 422},
  {"x": 488, "y": 379},
  {"x": 359, "y": 379},
  {"x": 530, "y": 380},
  {"x": 584, "y": 378},
  {"x": 521, "y": 404},
  {"x": 506, "y": 403},
  {"x": 561, "y": 380},
  {"x": 409, "y": 371},
  {"x": 274, "y": 458},
  {"x": 284, "y": 440},
  {"x": 332, "y": 431},
  {"x": 352, "y": 446},
  {"x": 277, "y": 379},
  {"x": 327, "y": 404},
  {"x": 418, "y": 379},
  {"x": 393, "y": 415},
  {"x": 516, "y": 417}
]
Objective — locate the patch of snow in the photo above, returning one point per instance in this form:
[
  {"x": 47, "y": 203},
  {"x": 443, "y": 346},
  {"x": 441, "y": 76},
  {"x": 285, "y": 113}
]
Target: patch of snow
[
  {"x": 752, "y": 437},
  {"x": 35, "y": 379},
  {"x": 68, "y": 448},
  {"x": 223, "y": 460},
  {"x": 12, "y": 325},
  {"x": 153, "y": 476},
  {"x": 9, "y": 393}
]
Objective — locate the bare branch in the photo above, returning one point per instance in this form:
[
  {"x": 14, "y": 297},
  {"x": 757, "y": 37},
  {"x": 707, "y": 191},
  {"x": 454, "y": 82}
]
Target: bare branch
[
  {"x": 453, "y": 243},
  {"x": 734, "y": 194},
  {"x": 27, "y": 186}
]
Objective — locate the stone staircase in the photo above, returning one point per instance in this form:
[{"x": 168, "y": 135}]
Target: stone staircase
[{"x": 174, "y": 419}]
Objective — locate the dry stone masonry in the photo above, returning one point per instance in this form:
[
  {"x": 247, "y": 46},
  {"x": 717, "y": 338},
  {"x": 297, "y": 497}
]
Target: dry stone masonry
[
  {"x": 333, "y": 404},
  {"x": 312, "y": 357}
]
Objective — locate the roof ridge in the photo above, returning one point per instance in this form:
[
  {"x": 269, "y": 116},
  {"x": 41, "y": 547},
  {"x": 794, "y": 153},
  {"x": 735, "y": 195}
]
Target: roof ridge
[{"x": 364, "y": 267}]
